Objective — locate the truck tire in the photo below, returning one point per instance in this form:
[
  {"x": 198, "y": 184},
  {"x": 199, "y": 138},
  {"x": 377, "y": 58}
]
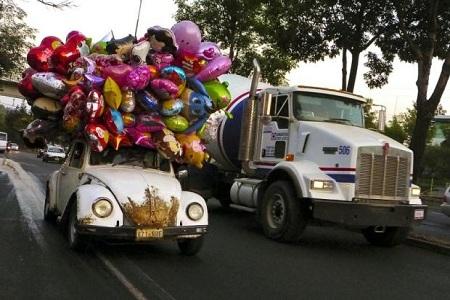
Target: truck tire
[
  {"x": 49, "y": 216},
  {"x": 283, "y": 216},
  {"x": 76, "y": 242},
  {"x": 391, "y": 236},
  {"x": 190, "y": 247}
]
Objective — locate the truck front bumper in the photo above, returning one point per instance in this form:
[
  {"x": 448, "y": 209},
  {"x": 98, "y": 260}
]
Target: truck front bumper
[
  {"x": 128, "y": 233},
  {"x": 368, "y": 214}
]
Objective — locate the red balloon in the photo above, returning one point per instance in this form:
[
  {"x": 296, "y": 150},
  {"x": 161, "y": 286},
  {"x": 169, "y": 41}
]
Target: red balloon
[
  {"x": 39, "y": 57},
  {"x": 25, "y": 86},
  {"x": 67, "y": 53},
  {"x": 97, "y": 136}
]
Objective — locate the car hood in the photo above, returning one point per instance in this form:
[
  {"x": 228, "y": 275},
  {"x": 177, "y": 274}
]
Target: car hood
[{"x": 148, "y": 197}]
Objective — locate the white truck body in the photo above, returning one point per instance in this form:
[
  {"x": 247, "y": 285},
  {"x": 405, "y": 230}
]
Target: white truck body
[{"x": 3, "y": 141}]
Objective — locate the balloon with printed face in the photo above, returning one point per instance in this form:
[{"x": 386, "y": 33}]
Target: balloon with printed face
[
  {"x": 95, "y": 105},
  {"x": 113, "y": 120},
  {"x": 147, "y": 100},
  {"x": 167, "y": 144},
  {"x": 220, "y": 65},
  {"x": 112, "y": 93},
  {"x": 129, "y": 120},
  {"x": 193, "y": 150},
  {"x": 171, "y": 107},
  {"x": 149, "y": 122},
  {"x": 128, "y": 101},
  {"x": 208, "y": 51},
  {"x": 50, "y": 84},
  {"x": 188, "y": 36},
  {"x": 176, "y": 123},
  {"x": 176, "y": 75},
  {"x": 164, "y": 88},
  {"x": 97, "y": 136}
]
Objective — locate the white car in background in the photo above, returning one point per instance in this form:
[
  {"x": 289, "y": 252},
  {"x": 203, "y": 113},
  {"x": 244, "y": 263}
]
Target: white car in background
[
  {"x": 128, "y": 195},
  {"x": 54, "y": 153},
  {"x": 445, "y": 207}
]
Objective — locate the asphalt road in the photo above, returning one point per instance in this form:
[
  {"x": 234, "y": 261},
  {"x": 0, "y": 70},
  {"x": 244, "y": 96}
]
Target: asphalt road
[{"x": 237, "y": 262}]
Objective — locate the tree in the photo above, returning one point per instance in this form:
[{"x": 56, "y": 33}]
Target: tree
[
  {"x": 395, "y": 130},
  {"x": 238, "y": 26},
  {"x": 370, "y": 116},
  {"x": 418, "y": 32},
  {"x": 14, "y": 36},
  {"x": 15, "y": 120}
]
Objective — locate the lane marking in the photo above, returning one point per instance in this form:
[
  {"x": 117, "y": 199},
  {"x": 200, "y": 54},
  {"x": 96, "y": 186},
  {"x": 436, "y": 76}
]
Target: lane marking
[{"x": 137, "y": 294}]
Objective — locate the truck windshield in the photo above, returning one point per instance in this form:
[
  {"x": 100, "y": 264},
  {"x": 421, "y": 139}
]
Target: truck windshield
[
  {"x": 3, "y": 136},
  {"x": 132, "y": 156},
  {"x": 327, "y": 108}
]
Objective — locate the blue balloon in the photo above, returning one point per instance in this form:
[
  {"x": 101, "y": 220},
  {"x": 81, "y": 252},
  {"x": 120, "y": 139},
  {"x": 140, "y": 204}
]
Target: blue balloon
[{"x": 147, "y": 100}]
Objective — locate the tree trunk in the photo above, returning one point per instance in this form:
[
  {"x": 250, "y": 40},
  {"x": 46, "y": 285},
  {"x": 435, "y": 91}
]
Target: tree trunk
[
  {"x": 353, "y": 71},
  {"x": 344, "y": 69}
]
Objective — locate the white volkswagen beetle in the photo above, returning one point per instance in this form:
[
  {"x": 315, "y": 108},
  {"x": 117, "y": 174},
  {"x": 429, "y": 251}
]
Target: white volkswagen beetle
[{"x": 129, "y": 194}]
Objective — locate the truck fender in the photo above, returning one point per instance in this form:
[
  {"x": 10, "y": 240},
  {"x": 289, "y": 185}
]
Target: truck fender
[
  {"x": 85, "y": 196},
  {"x": 186, "y": 199}
]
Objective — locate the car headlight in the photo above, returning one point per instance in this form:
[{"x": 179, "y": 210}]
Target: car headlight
[
  {"x": 321, "y": 185},
  {"x": 194, "y": 211},
  {"x": 415, "y": 191},
  {"x": 102, "y": 207}
]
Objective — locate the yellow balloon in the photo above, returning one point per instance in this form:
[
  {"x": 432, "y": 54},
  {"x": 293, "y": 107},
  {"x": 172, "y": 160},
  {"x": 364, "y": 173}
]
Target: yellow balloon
[{"x": 112, "y": 93}]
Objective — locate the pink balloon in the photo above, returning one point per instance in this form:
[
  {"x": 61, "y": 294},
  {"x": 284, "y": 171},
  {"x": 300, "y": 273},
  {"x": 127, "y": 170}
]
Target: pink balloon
[
  {"x": 161, "y": 60},
  {"x": 141, "y": 138},
  {"x": 215, "y": 68},
  {"x": 119, "y": 73},
  {"x": 208, "y": 51},
  {"x": 188, "y": 36},
  {"x": 138, "y": 78},
  {"x": 164, "y": 88}
]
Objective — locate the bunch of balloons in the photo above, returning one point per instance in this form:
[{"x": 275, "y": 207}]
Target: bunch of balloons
[{"x": 155, "y": 92}]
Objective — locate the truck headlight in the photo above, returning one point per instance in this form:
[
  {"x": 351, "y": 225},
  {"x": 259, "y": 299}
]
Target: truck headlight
[
  {"x": 194, "y": 211},
  {"x": 321, "y": 184},
  {"x": 415, "y": 191},
  {"x": 102, "y": 207}
]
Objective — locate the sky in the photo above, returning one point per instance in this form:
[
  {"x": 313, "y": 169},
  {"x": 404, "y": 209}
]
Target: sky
[{"x": 95, "y": 18}]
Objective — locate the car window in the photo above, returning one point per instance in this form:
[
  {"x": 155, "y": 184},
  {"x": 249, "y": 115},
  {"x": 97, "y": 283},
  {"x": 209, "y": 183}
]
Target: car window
[{"x": 76, "y": 161}]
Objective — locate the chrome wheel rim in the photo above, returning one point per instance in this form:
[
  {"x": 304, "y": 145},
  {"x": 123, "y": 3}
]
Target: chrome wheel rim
[{"x": 276, "y": 211}]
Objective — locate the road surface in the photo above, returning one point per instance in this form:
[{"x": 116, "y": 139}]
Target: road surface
[{"x": 237, "y": 261}]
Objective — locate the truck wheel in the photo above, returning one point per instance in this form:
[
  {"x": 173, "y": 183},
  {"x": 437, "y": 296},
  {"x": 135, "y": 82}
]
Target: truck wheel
[
  {"x": 49, "y": 216},
  {"x": 391, "y": 236},
  {"x": 76, "y": 242},
  {"x": 283, "y": 216},
  {"x": 190, "y": 247}
]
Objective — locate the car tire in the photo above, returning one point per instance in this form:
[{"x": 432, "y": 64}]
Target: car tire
[
  {"x": 49, "y": 216},
  {"x": 283, "y": 216},
  {"x": 76, "y": 242},
  {"x": 190, "y": 247},
  {"x": 391, "y": 236}
]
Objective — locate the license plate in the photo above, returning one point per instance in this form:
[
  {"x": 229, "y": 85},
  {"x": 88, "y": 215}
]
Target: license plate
[
  {"x": 419, "y": 214},
  {"x": 148, "y": 234}
]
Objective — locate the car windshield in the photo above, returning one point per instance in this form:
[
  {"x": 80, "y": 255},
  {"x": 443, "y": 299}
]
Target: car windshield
[
  {"x": 327, "y": 108},
  {"x": 132, "y": 156},
  {"x": 55, "y": 150}
]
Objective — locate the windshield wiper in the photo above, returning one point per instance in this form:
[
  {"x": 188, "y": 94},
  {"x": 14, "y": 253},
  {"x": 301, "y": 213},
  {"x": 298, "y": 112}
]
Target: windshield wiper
[
  {"x": 121, "y": 162},
  {"x": 341, "y": 121}
]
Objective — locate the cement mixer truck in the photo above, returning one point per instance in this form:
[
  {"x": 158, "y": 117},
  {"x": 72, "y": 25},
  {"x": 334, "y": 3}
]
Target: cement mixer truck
[{"x": 295, "y": 154}]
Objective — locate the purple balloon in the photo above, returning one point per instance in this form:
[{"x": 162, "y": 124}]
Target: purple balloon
[
  {"x": 208, "y": 51},
  {"x": 164, "y": 88},
  {"x": 214, "y": 69},
  {"x": 118, "y": 73},
  {"x": 139, "y": 78},
  {"x": 188, "y": 36}
]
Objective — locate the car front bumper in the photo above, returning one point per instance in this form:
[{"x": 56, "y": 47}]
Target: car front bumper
[
  {"x": 128, "y": 233},
  {"x": 368, "y": 214}
]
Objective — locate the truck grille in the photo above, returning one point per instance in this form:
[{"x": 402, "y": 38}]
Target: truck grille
[{"x": 382, "y": 177}]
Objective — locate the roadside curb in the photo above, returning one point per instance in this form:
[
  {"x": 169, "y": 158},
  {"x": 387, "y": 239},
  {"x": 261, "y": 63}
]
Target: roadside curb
[{"x": 421, "y": 241}]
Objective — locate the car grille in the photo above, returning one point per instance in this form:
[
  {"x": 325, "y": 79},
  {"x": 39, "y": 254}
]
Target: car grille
[{"x": 384, "y": 177}]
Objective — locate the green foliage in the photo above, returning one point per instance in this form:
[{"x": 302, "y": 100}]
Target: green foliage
[
  {"x": 240, "y": 29},
  {"x": 395, "y": 130},
  {"x": 14, "y": 120},
  {"x": 370, "y": 116},
  {"x": 14, "y": 38},
  {"x": 379, "y": 70},
  {"x": 437, "y": 164}
]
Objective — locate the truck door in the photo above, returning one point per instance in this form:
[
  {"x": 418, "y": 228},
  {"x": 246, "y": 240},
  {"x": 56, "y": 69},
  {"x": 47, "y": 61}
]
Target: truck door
[
  {"x": 274, "y": 134},
  {"x": 69, "y": 174}
]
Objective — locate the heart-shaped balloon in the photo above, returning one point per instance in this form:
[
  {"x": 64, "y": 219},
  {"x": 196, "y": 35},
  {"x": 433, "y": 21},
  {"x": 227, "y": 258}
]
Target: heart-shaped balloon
[
  {"x": 119, "y": 73},
  {"x": 39, "y": 57},
  {"x": 164, "y": 88},
  {"x": 68, "y": 53}
]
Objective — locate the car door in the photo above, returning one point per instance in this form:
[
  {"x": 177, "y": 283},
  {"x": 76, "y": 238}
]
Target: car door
[{"x": 69, "y": 174}]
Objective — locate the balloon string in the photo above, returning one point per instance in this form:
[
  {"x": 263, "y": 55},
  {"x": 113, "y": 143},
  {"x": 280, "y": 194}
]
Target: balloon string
[{"x": 137, "y": 20}]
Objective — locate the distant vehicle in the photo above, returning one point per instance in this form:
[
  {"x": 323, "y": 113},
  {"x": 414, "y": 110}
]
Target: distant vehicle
[
  {"x": 445, "y": 207},
  {"x": 40, "y": 153},
  {"x": 12, "y": 147},
  {"x": 3, "y": 141},
  {"x": 127, "y": 195},
  {"x": 54, "y": 153}
]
